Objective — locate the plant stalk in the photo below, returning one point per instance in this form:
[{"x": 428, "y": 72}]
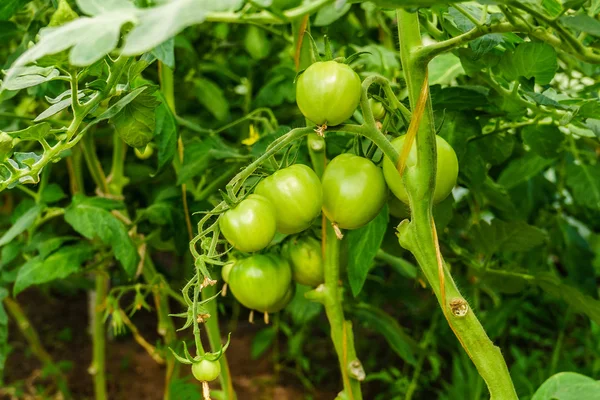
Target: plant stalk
[
  {"x": 36, "y": 346},
  {"x": 98, "y": 367},
  {"x": 419, "y": 235}
]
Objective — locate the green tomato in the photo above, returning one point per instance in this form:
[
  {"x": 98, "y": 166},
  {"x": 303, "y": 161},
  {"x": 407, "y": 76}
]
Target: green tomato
[
  {"x": 226, "y": 271},
  {"x": 297, "y": 196},
  {"x": 6, "y": 146},
  {"x": 354, "y": 191},
  {"x": 328, "y": 92},
  {"x": 144, "y": 154},
  {"x": 447, "y": 170},
  {"x": 305, "y": 256},
  {"x": 250, "y": 226},
  {"x": 397, "y": 208},
  {"x": 206, "y": 370},
  {"x": 377, "y": 108},
  {"x": 261, "y": 282},
  {"x": 287, "y": 298}
]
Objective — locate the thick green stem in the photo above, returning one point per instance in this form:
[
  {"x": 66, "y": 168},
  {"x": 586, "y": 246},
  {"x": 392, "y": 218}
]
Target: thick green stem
[
  {"x": 98, "y": 367},
  {"x": 330, "y": 295},
  {"x": 419, "y": 235},
  {"x": 36, "y": 346},
  {"x": 94, "y": 166},
  {"x": 214, "y": 337}
]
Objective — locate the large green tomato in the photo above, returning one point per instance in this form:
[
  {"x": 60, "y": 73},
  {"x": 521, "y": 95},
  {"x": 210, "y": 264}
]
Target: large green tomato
[
  {"x": 287, "y": 298},
  {"x": 304, "y": 253},
  {"x": 447, "y": 171},
  {"x": 297, "y": 196},
  {"x": 328, "y": 92},
  {"x": 354, "y": 191},
  {"x": 261, "y": 282},
  {"x": 206, "y": 370},
  {"x": 250, "y": 226}
]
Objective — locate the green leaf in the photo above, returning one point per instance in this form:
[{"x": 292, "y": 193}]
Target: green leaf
[
  {"x": 301, "y": 309},
  {"x": 59, "y": 265},
  {"x": 262, "y": 341},
  {"x": 582, "y": 23},
  {"x": 52, "y": 193},
  {"x": 94, "y": 222},
  {"x": 506, "y": 236},
  {"x": 24, "y": 222},
  {"x": 330, "y": 13},
  {"x": 522, "y": 169},
  {"x": 165, "y": 52},
  {"x": 165, "y": 136},
  {"x": 577, "y": 258},
  {"x": 584, "y": 181},
  {"x": 25, "y": 77},
  {"x": 458, "y": 97},
  {"x": 545, "y": 140},
  {"x": 9, "y": 7},
  {"x": 498, "y": 197},
  {"x": 116, "y": 108},
  {"x": 580, "y": 302},
  {"x": 211, "y": 96},
  {"x": 34, "y": 132},
  {"x": 136, "y": 122},
  {"x": 444, "y": 69},
  {"x": 594, "y": 125},
  {"x": 568, "y": 386},
  {"x": 363, "y": 244},
  {"x": 553, "y": 7},
  {"x": 4, "y": 349},
  {"x": 536, "y": 60},
  {"x": 402, "y": 344},
  {"x": 199, "y": 155}
]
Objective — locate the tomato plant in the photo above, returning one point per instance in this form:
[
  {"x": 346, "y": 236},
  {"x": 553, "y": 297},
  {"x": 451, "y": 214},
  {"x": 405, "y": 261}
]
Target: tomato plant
[
  {"x": 296, "y": 193},
  {"x": 261, "y": 282},
  {"x": 250, "y": 225},
  {"x": 151, "y": 151},
  {"x": 446, "y": 175},
  {"x": 328, "y": 92},
  {"x": 354, "y": 191}
]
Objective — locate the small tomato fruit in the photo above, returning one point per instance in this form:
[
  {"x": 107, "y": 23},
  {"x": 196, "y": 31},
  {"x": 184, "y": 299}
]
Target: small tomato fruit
[
  {"x": 305, "y": 256},
  {"x": 261, "y": 282},
  {"x": 296, "y": 193},
  {"x": 250, "y": 226},
  {"x": 377, "y": 108},
  {"x": 446, "y": 176},
  {"x": 206, "y": 370},
  {"x": 328, "y": 92},
  {"x": 354, "y": 191}
]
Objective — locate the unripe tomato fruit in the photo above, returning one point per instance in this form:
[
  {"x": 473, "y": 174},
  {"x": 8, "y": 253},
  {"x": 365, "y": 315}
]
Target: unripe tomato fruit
[
  {"x": 281, "y": 304},
  {"x": 250, "y": 226},
  {"x": 145, "y": 154},
  {"x": 226, "y": 271},
  {"x": 206, "y": 370},
  {"x": 354, "y": 191},
  {"x": 447, "y": 170},
  {"x": 328, "y": 92},
  {"x": 297, "y": 196},
  {"x": 260, "y": 282},
  {"x": 305, "y": 256},
  {"x": 377, "y": 108}
]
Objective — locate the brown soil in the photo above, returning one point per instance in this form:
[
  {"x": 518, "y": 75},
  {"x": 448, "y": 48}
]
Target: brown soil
[{"x": 131, "y": 373}]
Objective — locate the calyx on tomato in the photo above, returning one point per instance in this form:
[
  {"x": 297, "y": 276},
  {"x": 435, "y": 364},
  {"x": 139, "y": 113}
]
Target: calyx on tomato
[
  {"x": 297, "y": 196},
  {"x": 261, "y": 282},
  {"x": 446, "y": 175},
  {"x": 328, "y": 92},
  {"x": 249, "y": 226},
  {"x": 354, "y": 191}
]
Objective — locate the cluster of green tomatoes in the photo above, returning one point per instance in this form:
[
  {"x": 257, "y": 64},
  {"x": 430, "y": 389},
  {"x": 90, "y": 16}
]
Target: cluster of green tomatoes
[{"x": 351, "y": 192}]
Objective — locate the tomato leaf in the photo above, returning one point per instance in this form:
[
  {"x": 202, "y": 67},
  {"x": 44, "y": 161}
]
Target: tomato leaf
[
  {"x": 545, "y": 140},
  {"x": 136, "y": 122},
  {"x": 402, "y": 344},
  {"x": 584, "y": 181},
  {"x": 211, "y": 96},
  {"x": 301, "y": 309},
  {"x": 535, "y": 60},
  {"x": 568, "y": 386},
  {"x": 582, "y": 23},
  {"x": 9, "y": 7},
  {"x": 31, "y": 76},
  {"x": 22, "y": 224},
  {"x": 262, "y": 341},
  {"x": 522, "y": 169},
  {"x": 363, "y": 244},
  {"x": 506, "y": 236},
  {"x": 58, "y": 265},
  {"x": 95, "y": 222},
  {"x": 166, "y": 135}
]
